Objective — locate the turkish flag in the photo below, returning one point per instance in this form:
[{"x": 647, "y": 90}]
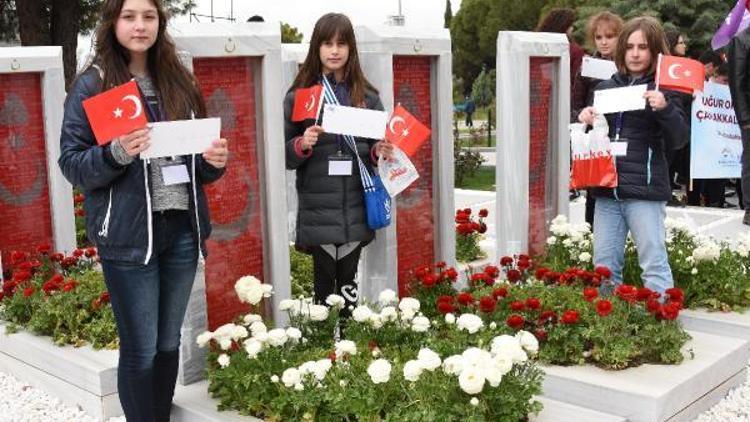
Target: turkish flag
[
  {"x": 307, "y": 102},
  {"x": 680, "y": 74},
  {"x": 115, "y": 112},
  {"x": 405, "y": 131}
]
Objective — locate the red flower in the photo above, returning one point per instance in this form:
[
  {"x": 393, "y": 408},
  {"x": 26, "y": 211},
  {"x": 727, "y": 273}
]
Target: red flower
[
  {"x": 482, "y": 228},
  {"x": 644, "y": 294},
  {"x": 517, "y": 306},
  {"x": 422, "y": 271},
  {"x": 440, "y": 264},
  {"x": 515, "y": 321},
  {"x": 78, "y": 198},
  {"x": 540, "y": 273},
  {"x": 25, "y": 266},
  {"x": 69, "y": 286},
  {"x": 590, "y": 293},
  {"x": 43, "y": 248},
  {"x": 77, "y": 253},
  {"x": 465, "y": 298},
  {"x": 445, "y": 307},
  {"x": 626, "y": 292},
  {"x": 90, "y": 252},
  {"x": 462, "y": 217},
  {"x": 675, "y": 294},
  {"x": 523, "y": 265},
  {"x": 603, "y": 307},
  {"x": 653, "y": 306},
  {"x": 28, "y": 291},
  {"x": 533, "y": 303},
  {"x": 541, "y": 334},
  {"x": 513, "y": 275},
  {"x": 570, "y": 317},
  {"x": 603, "y": 271},
  {"x": 670, "y": 311},
  {"x": 492, "y": 271},
  {"x": 506, "y": 260},
  {"x": 483, "y": 213},
  {"x": 451, "y": 273},
  {"x": 487, "y": 304},
  {"x": 500, "y": 292},
  {"x": 429, "y": 280},
  {"x": 79, "y": 212},
  {"x": 548, "y": 316},
  {"x": 480, "y": 278},
  {"x": 21, "y": 276},
  {"x": 372, "y": 345},
  {"x": 467, "y": 211},
  {"x": 57, "y": 257},
  {"x": 104, "y": 297},
  {"x": 16, "y": 257}
]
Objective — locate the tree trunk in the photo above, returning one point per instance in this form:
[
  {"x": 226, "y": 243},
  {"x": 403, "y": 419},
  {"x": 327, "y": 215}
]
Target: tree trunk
[
  {"x": 33, "y": 22},
  {"x": 64, "y": 27}
]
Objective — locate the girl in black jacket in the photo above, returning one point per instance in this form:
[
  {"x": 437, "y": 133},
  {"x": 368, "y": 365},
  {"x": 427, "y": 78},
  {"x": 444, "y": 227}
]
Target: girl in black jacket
[
  {"x": 150, "y": 229},
  {"x": 638, "y": 203},
  {"x": 331, "y": 220}
]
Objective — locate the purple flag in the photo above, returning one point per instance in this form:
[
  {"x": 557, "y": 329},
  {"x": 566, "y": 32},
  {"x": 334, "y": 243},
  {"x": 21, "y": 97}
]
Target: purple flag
[{"x": 737, "y": 21}]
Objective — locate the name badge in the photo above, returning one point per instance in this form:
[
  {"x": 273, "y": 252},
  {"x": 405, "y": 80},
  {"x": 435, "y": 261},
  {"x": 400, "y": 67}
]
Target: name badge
[
  {"x": 619, "y": 149},
  {"x": 175, "y": 175},
  {"x": 339, "y": 165}
]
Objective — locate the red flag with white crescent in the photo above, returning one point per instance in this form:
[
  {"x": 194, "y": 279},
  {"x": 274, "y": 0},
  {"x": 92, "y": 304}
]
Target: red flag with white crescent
[
  {"x": 307, "y": 103},
  {"x": 115, "y": 112},
  {"x": 680, "y": 74},
  {"x": 405, "y": 131}
]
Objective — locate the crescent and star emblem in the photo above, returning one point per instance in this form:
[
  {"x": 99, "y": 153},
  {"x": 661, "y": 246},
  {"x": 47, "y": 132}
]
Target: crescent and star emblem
[
  {"x": 136, "y": 103},
  {"x": 392, "y": 126},
  {"x": 673, "y": 69},
  {"x": 310, "y": 103}
]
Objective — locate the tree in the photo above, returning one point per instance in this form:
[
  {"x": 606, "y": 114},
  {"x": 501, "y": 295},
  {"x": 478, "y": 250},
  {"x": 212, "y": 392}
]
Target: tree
[
  {"x": 290, "y": 34},
  {"x": 448, "y": 15},
  {"x": 59, "y": 22},
  {"x": 483, "y": 93}
]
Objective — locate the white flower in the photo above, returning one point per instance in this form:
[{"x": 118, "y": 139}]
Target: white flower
[
  {"x": 274, "y": 379},
  {"x": 528, "y": 341},
  {"x": 250, "y": 290},
  {"x": 409, "y": 304},
  {"x": 291, "y": 377},
  {"x": 345, "y": 347},
  {"x": 225, "y": 343},
  {"x": 379, "y": 371},
  {"x": 493, "y": 325},
  {"x": 376, "y": 320},
  {"x": 277, "y": 337},
  {"x": 287, "y": 304},
  {"x": 492, "y": 373},
  {"x": 474, "y": 356},
  {"x": 551, "y": 240},
  {"x": 387, "y": 297},
  {"x": 251, "y": 318},
  {"x": 299, "y": 386},
  {"x": 584, "y": 257},
  {"x": 453, "y": 365},
  {"x": 321, "y": 368},
  {"x": 503, "y": 364},
  {"x": 335, "y": 301},
  {"x": 450, "y": 319},
  {"x": 469, "y": 322},
  {"x": 204, "y": 338},
  {"x": 412, "y": 370},
  {"x": 694, "y": 271},
  {"x": 471, "y": 380},
  {"x": 253, "y": 347},
  {"x": 509, "y": 347},
  {"x": 707, "y": 250},
  {"x": 293, "y": 334},
  {"x": 388, "y": 313},
  {"x": 223, "y": 360},
  {"x": 318, "y": 312},
  {"x": 474, "y": 401},
  {"x": 361, "y": 313},
  {"x": 261, "y": 337},
  {"x": 567, "y": 243},
  {"x": 258, "y": 327},
  {"x": 420, "y": 324},
  {"x": 342, "y": 383},
  {"x": 428, "y": 359}
]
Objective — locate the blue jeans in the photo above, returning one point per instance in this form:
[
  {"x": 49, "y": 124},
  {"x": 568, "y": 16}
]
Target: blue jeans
[
  {"x": 645, "y": 221},
  {"x": 149, "y": 303}
]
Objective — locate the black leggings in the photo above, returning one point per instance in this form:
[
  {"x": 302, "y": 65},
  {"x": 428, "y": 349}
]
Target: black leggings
[{"x": 336, "y": 276}]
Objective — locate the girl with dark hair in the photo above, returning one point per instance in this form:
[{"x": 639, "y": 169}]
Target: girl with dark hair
[
  {"x": 331, "y": 222},
  {"x": 150, "y": 230},
  {"x": 638, "y": 204},
  {"x": 560, "y": 20}
]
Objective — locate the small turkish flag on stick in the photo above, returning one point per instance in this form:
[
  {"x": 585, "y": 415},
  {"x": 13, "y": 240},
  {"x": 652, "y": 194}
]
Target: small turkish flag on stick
[
  {"x": 680, "y": 74},
  {"x": 115, "y": 112},
  {"x": 405, "y": 131},
  {"x": 307, "y": 103}
]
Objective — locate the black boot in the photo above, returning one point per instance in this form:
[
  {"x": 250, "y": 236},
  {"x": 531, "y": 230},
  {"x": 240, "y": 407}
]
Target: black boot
[{"x": 165, "y": 377}]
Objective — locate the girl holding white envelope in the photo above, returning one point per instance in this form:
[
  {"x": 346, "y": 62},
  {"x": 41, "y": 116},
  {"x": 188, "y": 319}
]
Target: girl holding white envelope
[
  {"x": 641, "y": 140},
  {"x": 149, "y": 220},
  {"x": 331, "y": 220}
]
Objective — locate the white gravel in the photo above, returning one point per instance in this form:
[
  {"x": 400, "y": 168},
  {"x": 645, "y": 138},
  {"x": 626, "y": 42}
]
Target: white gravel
[{"x": 735, "y": 407}]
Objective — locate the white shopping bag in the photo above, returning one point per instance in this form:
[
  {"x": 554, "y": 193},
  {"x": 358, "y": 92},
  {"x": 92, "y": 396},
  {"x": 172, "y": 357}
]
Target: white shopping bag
[{"x": 398, "y": 173}]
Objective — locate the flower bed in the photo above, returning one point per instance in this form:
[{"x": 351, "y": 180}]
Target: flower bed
[
  {"x": 712, "y": 274},
  {"x": 393, "y": 364},
  {"x": 59, "y": 296}
]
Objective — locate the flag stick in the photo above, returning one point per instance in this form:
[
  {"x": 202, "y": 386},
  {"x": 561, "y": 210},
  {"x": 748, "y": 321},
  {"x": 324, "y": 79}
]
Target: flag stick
[
  {"x": 320, "y": 107},
  {"x": 658, "y": 71}
]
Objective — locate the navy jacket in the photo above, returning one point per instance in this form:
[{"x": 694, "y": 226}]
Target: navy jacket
[
  {"x": 117, "y": 198},
  {"x": 644, "y": 172}
]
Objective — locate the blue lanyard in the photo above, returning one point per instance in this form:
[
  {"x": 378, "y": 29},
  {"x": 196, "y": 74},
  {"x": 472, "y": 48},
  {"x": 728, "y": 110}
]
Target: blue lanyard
[
  {"x": 152, "y": 114},
  {"x": 618, "y": 125}
]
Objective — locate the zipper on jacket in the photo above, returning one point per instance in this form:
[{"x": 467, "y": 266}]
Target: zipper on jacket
[
  {"x": 201, "y": 258},
  {"x": 149, "y": 217},
  {"x": 648, "y": 167},
  {"x": 105, "y": 224}
]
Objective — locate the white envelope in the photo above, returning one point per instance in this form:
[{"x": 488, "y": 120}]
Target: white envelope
[
  {"x": 597, "y": 68},
  {"x": 354, "y": 121},
  {"x": 182, "y": 137},
  {"x": 620, "y": 99}
]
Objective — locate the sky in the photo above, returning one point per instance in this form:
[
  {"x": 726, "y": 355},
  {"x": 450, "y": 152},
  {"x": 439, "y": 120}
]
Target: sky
[{"x": 304, "y": 13}]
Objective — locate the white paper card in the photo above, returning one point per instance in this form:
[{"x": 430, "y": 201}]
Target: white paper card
[
  {"x": 619, "y": 149},
  {"x": 398, "y": 173},
  {"x": 181, "y": 137},
  {"x": 597, "y": 68},
  {"x": 175, "y": 175},
  {"x": 354, "y": 121},
  {"x": 620, "y": 99},
  {"x": 339, "y": 167}
]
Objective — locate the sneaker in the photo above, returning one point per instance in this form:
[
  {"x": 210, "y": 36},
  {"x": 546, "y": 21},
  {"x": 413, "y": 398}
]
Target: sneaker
[
  {"x": 675, "y": 202},
  {"x": 746, "y": 218}
]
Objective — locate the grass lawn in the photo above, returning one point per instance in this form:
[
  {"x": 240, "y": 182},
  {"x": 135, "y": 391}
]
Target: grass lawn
[{"x": 483, "y": 179}]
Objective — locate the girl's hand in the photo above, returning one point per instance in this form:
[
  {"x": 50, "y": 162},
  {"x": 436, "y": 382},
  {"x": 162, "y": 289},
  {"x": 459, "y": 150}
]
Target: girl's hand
[
  {"x": 656, "y": 100},
  {"x": 136, "y": 141},
  {"x": 218, "y": 154},
  {"x": 587, "y": 115},
  {"x": 384, "y": 149},
  {"x": 310, "y": 137}
]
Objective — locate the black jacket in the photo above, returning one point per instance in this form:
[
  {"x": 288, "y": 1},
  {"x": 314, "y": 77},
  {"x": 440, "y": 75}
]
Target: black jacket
[
  {"x": 331, "y": 209},
  {"x": 117, "y": 198},
  {"x": 739, "y": 76},
  {"x": 643, "y": 173}
]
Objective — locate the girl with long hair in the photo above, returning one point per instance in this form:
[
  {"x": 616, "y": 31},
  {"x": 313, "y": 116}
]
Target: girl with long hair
[
  {"x": 150, "y": 229},
  {"x": 638, "y": 204},
  {"x": 331, "y": 222}
]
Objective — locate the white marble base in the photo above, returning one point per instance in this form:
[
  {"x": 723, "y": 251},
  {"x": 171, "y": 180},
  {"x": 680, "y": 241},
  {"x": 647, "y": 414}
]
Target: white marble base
[
  {"x": 730, "y": 324},
  {"x": 656, "y": 392},
  {"x": 193, "y": 404},
  {"x": 81, "y": 376},
  {"x": 556, "y": 411}
]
